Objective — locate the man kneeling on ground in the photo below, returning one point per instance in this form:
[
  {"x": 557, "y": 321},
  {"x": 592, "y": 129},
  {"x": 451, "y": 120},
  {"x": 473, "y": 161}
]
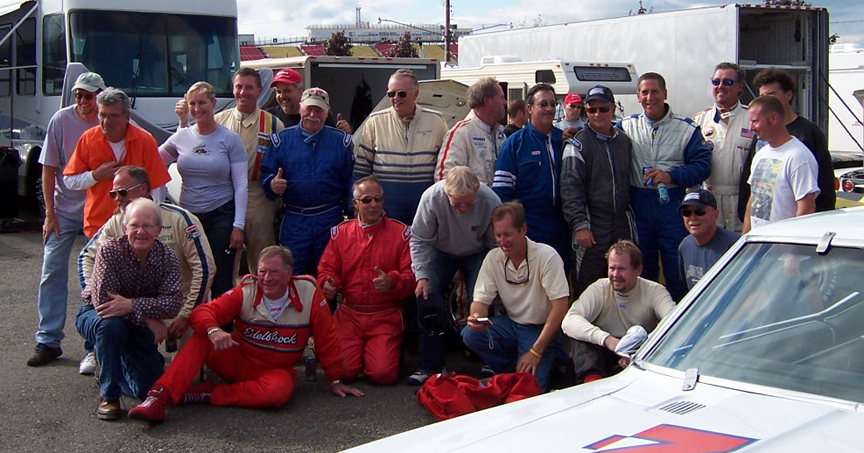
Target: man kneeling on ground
[{"x": 274, "y": 315}]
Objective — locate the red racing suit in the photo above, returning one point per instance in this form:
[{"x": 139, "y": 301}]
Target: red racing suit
[
  {"x": 260, "y": 370},
  {"x": 368, "y": 322}
]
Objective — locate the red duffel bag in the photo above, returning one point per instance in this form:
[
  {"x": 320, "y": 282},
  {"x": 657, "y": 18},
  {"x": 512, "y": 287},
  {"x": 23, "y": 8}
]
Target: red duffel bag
[{"x": 448, "y": 396}]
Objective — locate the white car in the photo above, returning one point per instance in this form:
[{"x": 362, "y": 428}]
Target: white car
[{"x": 766, "y": 353}]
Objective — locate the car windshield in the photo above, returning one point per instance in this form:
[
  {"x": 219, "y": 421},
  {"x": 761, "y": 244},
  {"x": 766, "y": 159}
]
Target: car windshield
[{"x": 778, "y": 315}]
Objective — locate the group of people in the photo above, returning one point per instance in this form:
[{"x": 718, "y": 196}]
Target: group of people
[{"x": 517, "y": 213}]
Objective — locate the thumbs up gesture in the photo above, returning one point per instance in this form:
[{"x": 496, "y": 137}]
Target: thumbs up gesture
[
  {"x": 342, "y": 125},
  {"x": 278, "y": 184},
  {"x": 382, "y": 282},
  {"x": 329, "y": 289}
]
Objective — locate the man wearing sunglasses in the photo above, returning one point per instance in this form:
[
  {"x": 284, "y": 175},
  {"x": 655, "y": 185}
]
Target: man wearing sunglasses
[
  {"x": 572, "y": 113},
  {"x": 64, "y": 217},
  {"x": 595, "y": 193},
  {"x": 181, "y": 231},
  {"x": 475, "y": 141},
  {"x": 529, "y": 279},
  {"x": 707, "y": 242},
  {"x": 368, "y": 260},
  {"x": 726, "y": 128},
  {"x": 400, "y": 145}
]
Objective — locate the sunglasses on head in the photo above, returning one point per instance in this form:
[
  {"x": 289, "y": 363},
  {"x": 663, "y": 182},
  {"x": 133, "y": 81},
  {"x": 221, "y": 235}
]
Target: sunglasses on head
[
  {"x": 725, "y": 82},
  {"x": 80, "y": 95},
  {"x": 689, "y": 212},
  {"x": 545, "y": 104},
  {"x": 604, "y": 109},
  {"x": 401, "y": 94},
  {"x": 368, "y": 199},
  {"x": 122, "y": 192}
]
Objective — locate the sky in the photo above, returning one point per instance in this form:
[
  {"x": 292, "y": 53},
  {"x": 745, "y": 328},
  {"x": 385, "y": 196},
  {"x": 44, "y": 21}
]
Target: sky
[{"x": 266, "y": 22}]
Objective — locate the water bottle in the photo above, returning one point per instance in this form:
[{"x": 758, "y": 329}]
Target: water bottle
[{"x": 663, "y": 192}]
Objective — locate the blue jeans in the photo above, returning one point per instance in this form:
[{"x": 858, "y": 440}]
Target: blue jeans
[
  {"x": 129, "y": 362},
  {"x": 218, "y": 225},
  {"x": 510, "y": 341},
  {"x": 433, "y": 349},
  {"x": 54, "y": 284}
]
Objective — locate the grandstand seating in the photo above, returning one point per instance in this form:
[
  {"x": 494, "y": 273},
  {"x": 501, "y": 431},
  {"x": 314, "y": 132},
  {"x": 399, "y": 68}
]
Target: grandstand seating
[
  {"x": 362, "y": 50},
  {"x": 383, "y": 48},
  {"x": 249, "y": 53},
  {"x": 282, "y": 51},
  {"x": 313, "y": 50},
  {"x": 454, "y": 50},
  {"x": 433, "y": 51}
]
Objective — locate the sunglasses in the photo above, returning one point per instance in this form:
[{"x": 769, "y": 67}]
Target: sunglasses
[
  {"x": 545, "y": 104},
  {"x": 122, "y": 192},
  {"x": 688, "y": 212},
  {"x": 604, "y": 109},
  {"x": 725, "y": 82},
  {"x": 88, "y": 96},
  {"x": 401, "y": 94},
  {"x": 367, "y": 199}
]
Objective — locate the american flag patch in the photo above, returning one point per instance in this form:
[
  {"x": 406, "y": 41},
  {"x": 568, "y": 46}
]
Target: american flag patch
[{"x": 747, "y": 133}]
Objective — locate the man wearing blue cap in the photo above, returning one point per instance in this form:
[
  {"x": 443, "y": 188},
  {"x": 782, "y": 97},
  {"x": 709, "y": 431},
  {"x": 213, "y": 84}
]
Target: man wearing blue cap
[{"x": 707, "y": 242}]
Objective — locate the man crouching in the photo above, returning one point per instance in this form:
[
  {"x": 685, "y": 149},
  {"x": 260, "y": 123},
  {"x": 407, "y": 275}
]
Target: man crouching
[{"x": 274, "y": 315}]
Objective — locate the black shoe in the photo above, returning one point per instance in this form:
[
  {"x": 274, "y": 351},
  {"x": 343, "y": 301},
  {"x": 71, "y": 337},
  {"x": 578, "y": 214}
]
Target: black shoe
[{"x": 43, "y": 354}]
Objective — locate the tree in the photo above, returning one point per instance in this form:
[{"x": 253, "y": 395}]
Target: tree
[
  {"x": 404, "y": 47},
  {"x": 337, "y": 44}
]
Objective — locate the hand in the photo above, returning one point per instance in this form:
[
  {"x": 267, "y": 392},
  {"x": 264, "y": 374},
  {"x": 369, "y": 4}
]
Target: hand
[
  {"x": 624, "y": 362},
  {"x": 659, "y": 176},
  {"x": 178, "y": 327},
  {"x": 569, "y": 132},
  {"x": 160, "y": 333},
  {"x": 585, "y": 239},
  {"x": 342, "y": 125},
  {"x": 422, "y": 288},
  {"x": 236, "y": 239},
  {"x": 611, "y": 343},
  {"x": 106, "y": 170},
  {"x": 50, "y": 226},
  {"x": 343, "y": 390},
  {"x": 278, "y": 184},
  {"x": 329, "y": 289},
  {"x": 382, "y": 282},
  {"x": 528, "y": 363},
  {"x": 222, "y": 340},
  {"x": 117, "y": 306},
  {"x": 181, "y": 108},
  {"x": 476, "y": 326}
]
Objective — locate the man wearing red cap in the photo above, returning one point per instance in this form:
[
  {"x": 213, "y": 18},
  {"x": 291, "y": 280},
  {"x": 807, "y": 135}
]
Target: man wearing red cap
[
  {"x": 289, "y": 86},
  {"x": 572, "y": 113}
]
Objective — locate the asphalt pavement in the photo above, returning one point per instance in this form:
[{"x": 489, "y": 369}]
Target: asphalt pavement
[{"x": 52, "y": 408}]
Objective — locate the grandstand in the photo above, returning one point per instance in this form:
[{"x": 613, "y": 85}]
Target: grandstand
[
  {"x": 313, "y": 50},
  {"x": 433, "y": 51},
  {"x": 362, "y": 50},
  {"x": 282, "y": 51},
  {"x": 249, "y": 53},
  {"x": 383, "y": 48}
]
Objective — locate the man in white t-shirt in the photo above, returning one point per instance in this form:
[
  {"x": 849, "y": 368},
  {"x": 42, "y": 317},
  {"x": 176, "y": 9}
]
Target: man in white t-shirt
[{"x": 783, "y": 176}]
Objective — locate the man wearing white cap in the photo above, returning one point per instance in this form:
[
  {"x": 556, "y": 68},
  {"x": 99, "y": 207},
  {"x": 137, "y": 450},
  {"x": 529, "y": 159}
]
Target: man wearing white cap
[
  {"x": 64, "y": 217},
  {"x": 310, "y": 168},
  {"x": 288, "y": 84}
]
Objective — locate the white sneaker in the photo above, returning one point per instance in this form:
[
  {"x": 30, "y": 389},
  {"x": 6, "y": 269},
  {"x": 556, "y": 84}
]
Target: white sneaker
[{"x": 88, "y": 364}]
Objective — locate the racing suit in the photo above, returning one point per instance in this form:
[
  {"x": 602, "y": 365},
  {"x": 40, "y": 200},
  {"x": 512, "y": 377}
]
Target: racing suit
[
  {"x": 595, "y": 193},
  {"x": 368, "y": 322},
  {"x": 474, "y": 144},
  {"x": 318, "y": 170},
  {"x": 260, "y": 370},
  {"x": 402, "y": 154},
  {"x": 254, "y": 130},
  {"x": 528, "y": 170},
  {"x": 728, "y": 135},
  {"x": 675, "y": 145}
]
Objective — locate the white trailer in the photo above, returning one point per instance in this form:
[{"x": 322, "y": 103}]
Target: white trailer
[
  {"x": 846, "y": 69},
  {"x": 684, "y": 46}
]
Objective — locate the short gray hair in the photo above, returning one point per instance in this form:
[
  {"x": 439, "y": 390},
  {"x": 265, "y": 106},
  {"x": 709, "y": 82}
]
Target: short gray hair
[
  {"x": 482, "y": 89},
  {"x": 355, "y": 189},
  {"x": 461, "y": 181},
  {"x": 113, "y": 96},
  {"x": 406, "y": 73},
  {"x": 282, "y": 252},
  {"x": 143, "y": 203}
]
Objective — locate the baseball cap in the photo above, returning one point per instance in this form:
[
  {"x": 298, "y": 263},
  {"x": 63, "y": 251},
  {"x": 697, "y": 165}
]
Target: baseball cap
[
  {"x": 288, "y": 76},
  {"x": 600, "y": 93},
  {"x": 699, "y": 199},
  {"x": 316, "y": 97},
  {"x": 572, "y": 98},
  {"x": 89, "y": 81}
]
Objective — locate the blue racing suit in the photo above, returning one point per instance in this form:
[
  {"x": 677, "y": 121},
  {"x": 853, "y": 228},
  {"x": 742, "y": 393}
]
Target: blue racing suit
[{"x": 318, "y": 169}]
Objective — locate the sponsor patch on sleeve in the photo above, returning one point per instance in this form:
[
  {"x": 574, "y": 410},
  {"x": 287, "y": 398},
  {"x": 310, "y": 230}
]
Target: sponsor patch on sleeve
[
  {"x": 334, "y": 231},
  {"x": 406, "y": 234},
  {"x": 274, "y": 139}
]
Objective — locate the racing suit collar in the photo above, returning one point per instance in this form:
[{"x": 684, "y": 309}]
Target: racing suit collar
[{"x": 246, "y": 120}]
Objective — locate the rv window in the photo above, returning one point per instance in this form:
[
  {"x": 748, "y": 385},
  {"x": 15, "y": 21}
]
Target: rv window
[
  {"x": 601, "y": 74},
  {"x": 53, "y": 54},
  {"x": 25, "y": 55},
  {"x": 544, "y": 76}
]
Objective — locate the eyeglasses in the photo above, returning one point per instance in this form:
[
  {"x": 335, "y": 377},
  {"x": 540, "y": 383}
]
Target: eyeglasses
[
  {"x": 688, "y": 212},
  {"x": 112, "y": 116},
  {"x": 87, "y": 96},
  {"x": 136, "y": 227},
  {"x": 521, "y": 281},
  {"x": 401, "y": 94},
  {"x": 574, "y": 106},
  {"x": 725, "y": 82},
  {"x": 368, "y": 199},
  {"x": 545, "y": 104},
  {"x": 462, "y": 205},
  {"x": 123, "y": 192},
  {"x": 593, "y": 110}
]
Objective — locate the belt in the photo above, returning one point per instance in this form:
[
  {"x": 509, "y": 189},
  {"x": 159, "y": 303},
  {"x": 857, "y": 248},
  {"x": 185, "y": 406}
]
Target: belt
[
  {"x": 370, "y": 309},
  {"x": 313, "y": 210}
]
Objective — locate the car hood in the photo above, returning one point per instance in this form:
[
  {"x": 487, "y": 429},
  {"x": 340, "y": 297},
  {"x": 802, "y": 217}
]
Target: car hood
[{"x": 641, "y": 411}]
